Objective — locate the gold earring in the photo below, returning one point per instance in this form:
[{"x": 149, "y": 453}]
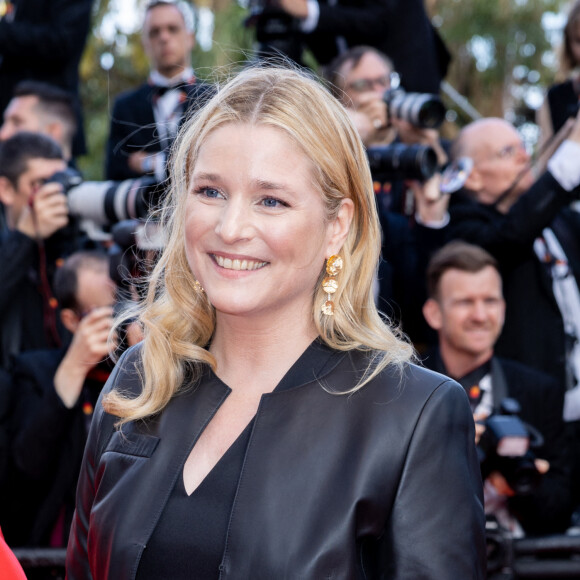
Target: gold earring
[
  {"x": 329, "y": 284},
  {"x": 198, "y": 287}
]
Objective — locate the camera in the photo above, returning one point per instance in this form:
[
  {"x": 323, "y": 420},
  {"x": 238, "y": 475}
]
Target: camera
[
  {"x": 507, "y": 445},
  {"x": 399, "y": 161},
  {"x": 107, "y": 202},
  {"x": 422, "y": 110},
  {"x": 277, "y": 32}
]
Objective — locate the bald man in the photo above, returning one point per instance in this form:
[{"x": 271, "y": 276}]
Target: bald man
[{"x": 530, "y": 228}]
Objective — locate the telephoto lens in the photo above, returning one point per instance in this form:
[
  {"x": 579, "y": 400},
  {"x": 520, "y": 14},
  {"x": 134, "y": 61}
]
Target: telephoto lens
[
  {"x": 422, "y": 110},
  {"x": 399, "y": 161}
]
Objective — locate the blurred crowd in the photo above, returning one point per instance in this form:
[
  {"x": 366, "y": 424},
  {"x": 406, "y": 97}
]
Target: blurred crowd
[{"x": 480, "y": 254}]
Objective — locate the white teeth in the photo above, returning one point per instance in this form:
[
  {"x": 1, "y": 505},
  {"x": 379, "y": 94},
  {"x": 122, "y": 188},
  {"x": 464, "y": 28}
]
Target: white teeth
[{"x": 236, "y": 264}]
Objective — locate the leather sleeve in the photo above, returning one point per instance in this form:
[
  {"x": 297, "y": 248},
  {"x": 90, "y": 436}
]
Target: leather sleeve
[
  {"x": 78, "y": 564},
  {"x": 437, "y": 530}
]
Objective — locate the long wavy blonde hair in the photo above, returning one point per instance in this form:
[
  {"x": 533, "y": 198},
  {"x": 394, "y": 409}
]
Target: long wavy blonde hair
[{"x": 177, "y": 318}]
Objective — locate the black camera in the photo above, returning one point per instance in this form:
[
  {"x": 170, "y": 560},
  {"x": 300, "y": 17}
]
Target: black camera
[
  {"x": 108, "y": 202},
  {"x": 422, "y": 110},
  {"x": 399, "y": 161},
  {"x": 277, "y": 32},
  {"x": 507, "y": 445}
]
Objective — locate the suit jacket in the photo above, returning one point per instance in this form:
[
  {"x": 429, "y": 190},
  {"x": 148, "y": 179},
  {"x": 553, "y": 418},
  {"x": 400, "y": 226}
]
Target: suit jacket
[
  {"x": 399, "y": 28},
  {"x": 541, "y": 398},
  {"x": 533, "y": 332},
  {"x": 133, "y": 127},
  {"x": 362, "y": 486},
  {"x": 44, "y": 41}
]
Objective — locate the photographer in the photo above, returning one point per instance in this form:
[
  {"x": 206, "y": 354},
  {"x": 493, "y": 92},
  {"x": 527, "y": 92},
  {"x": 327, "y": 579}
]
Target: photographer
[
  {"x": 34, "y": 237},
  {"x": 54, "y": 394},
  {"x": 360, "y": 78},
  {"x": 466, "y": 308}
]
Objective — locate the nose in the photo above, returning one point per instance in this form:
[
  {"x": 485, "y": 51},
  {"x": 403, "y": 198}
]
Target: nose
[
  {"x": 479, "y": 311},
  {"x": 5, "y": 132},
  {"x": 235, "y": 221}
]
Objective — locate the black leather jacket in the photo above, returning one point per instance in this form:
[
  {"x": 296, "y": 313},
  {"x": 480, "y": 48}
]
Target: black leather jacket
[{"x": 384, "y": 483}]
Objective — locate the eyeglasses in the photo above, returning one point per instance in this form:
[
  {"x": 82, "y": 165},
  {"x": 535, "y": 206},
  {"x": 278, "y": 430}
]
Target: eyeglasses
[
  {"x": 364, "y": 85},
  {"x": 510, "y": 151}
]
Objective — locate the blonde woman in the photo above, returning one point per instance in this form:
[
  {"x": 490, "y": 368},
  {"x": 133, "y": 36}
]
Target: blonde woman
[{"x": 271, "y": 424}]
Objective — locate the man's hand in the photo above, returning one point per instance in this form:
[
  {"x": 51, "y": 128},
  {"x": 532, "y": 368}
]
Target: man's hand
[
  {"x": 296, "y": 8},
  {"x": 47, "y": 213},
  {"x": 142, "y": 162},
  {"x": 89, "y": 346},
  {"x": 431, "y": 205}
]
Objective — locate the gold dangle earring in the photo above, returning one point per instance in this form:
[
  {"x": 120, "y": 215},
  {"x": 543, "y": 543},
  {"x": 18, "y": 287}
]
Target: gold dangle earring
[{"x": 329, "y": 284}]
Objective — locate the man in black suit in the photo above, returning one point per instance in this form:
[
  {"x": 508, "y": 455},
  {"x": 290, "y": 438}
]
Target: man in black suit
[
  {"x": 466, "y": 308},
  {"x": 401, "y": 29},
  {"x": 43, "y": 41},
  {"x": 144, "y": 121}
]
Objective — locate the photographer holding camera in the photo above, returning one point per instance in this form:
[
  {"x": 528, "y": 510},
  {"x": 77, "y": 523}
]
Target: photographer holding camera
[
  {"x": 35, "y": 236},
  {"x": 361, "y": 79},
  {"x": 466, "y": 308}
]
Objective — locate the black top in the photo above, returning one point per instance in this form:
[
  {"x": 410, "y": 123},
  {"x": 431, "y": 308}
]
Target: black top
[{"x": 189, "y": 539}]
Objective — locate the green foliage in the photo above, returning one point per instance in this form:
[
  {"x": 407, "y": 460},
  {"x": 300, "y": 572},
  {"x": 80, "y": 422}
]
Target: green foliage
[{"x": 513, "y": 29}]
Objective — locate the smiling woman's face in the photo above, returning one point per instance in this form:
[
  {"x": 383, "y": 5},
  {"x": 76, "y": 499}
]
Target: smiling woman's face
[{"x": 256, "y": 230}]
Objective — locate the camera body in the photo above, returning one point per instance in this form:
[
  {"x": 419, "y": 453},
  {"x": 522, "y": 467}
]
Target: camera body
[
  {"x": 399, "y": 161},
  {"x": 422, "y": 110},
  {"x": 277, "y": 32},
  {"x": 507, "y": 446}
]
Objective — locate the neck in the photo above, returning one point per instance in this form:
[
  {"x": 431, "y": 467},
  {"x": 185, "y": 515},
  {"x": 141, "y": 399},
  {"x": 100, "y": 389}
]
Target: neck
[
  {"x": 255, "y": 355},
  {"x": 174, "y": 74},
  {"x": 458, "y": 364}
]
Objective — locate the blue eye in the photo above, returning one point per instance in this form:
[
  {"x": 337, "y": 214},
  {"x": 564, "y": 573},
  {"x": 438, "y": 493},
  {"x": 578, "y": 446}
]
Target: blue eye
[
  {"x": 209, "y": 192},
  {"x": 273, "y": 202}
]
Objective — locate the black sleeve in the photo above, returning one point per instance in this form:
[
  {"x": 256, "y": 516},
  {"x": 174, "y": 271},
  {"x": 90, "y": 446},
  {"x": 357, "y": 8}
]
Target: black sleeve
[
  {"x": 370, "y": 18},
  {"x": 17, "y": 255},
  {"x": 441, "y": 533},
  {"x": 41, "y": 420},
  {"x": 121, "y": 130},
  {"x": 55, "y": 37},
  {"x": 524, "y": 222},
  {"x": 78, "y": 565}
]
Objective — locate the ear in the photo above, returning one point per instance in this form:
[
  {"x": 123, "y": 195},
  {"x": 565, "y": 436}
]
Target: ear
[
  {"x": 54, "y": 130},
  {"x": 474, "y": 181},
  {"x": 340, "y": 226},
  {"x": 7, "y": 191},
  {"x": 69, "y": 319},
  {"x": 432, "y": 314}
]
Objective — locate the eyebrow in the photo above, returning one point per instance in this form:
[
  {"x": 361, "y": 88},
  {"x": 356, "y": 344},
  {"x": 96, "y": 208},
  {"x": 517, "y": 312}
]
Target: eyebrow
[{"x": 260, "y": 183}]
